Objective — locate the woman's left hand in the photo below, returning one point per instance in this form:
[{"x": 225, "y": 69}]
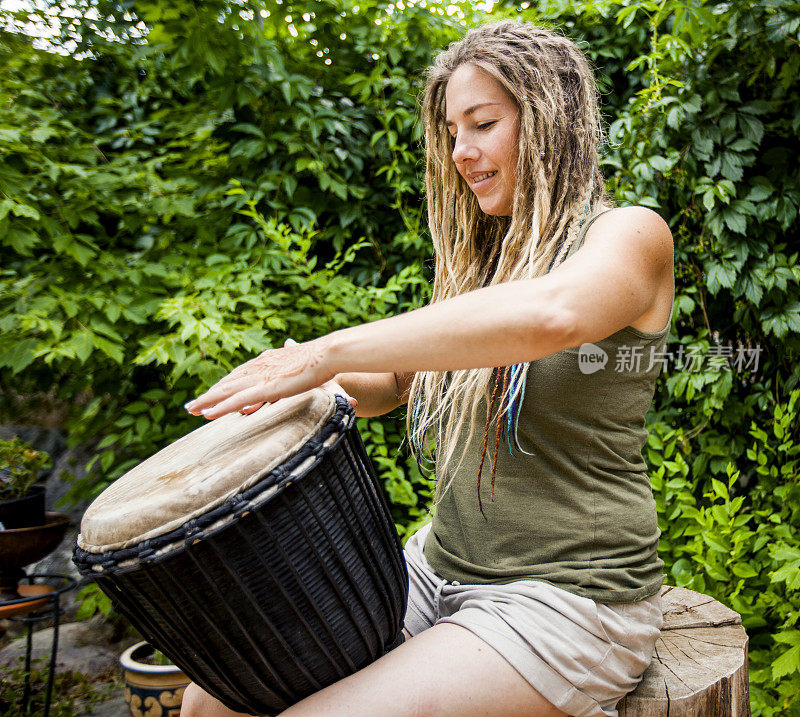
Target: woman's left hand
[{"x": 272, "y": 375}]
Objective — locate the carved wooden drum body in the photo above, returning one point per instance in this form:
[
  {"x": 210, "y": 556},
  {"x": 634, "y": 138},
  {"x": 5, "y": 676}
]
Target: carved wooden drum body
[{"x": 257, "y": 552}]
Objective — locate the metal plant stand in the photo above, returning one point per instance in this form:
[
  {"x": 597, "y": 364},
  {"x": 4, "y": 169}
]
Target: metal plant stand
[{"x": 31, "y": 610}]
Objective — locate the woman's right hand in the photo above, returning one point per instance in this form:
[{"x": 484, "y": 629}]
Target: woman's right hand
[{"x": 330, "y": 386}]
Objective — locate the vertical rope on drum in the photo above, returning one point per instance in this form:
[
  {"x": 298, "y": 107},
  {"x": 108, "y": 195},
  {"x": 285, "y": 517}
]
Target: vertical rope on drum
[
  {"x": 151, "y": 635},
  {"x": 157, "y": 632},
  {"x": 128, "y": 608},
  {"x": 356, "y": 588},
  {"x": 355, "y": 449},
  {"x": 313, "y": 547},
  {"x": 239, "y": 689},
  {"x": 218, "y": 668},
  {"x": 373, "y": 564},
  {"x": 132, "y": 609},
  {"x": 299, "y": 580},
  {"x": 356, "y": 445},
  {"x": 358, "y": 450},
  {"x": 279, "y": 681},
  {"x": 284, "y": 686}
]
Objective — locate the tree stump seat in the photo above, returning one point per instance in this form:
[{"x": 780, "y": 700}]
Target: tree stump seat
[{"x": 699, "y": 666}]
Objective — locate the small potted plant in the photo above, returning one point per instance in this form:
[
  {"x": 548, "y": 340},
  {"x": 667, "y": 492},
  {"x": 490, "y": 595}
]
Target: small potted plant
[
  {"x": 21, "y": 499},
  {"x": 153, "y": 684}
]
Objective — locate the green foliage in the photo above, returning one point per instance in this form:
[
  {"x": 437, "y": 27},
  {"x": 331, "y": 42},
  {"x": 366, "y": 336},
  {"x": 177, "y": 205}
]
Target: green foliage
[
  {"x": 148, "y": 655},
  {"x": 193, "y": 183},
  {"x": 742, "y": 549},
  {"x": 20, "y": 468},
  {"x": 72, "y": 694},
  {"x": 93, "y": 600},
  {"x": 409, "y": 493}
]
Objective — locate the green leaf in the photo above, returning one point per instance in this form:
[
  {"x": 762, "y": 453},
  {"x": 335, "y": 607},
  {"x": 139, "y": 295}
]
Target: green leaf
[
  {"x": 83, "y": 345},
  {"x": 759, "y": 192},
  {"x": 10, "y": 135},
  {"x": 108, "y": 441},
  {"x": 43, "y": 133},
  {"x": 735, "y": 221},
  {"x": 787, "y": 663},
  {"x": 21, "y": 240},
  {"x": 110, "y": 349},
  {"x": 751, "y": 127},
  {"x": 24, "y": 210},
  {"x": 20, "y": 355},
  {"x": 661, "y": 164},
  {"x": 743, "y": 570},
  {"x": 720, "y": 489},
  {"x": 715, "y": 544}
]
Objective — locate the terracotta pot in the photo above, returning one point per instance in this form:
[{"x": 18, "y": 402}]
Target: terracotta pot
[
  {"x": 151, "y": 690},
  {"x": 23, "y": 512}
]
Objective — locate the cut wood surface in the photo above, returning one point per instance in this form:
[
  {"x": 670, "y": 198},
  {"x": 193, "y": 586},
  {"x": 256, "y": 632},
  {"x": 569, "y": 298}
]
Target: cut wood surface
[{"x": 699, "y": 667}]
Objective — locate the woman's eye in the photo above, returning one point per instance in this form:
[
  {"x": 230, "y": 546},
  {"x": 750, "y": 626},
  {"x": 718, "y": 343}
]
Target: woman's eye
[{"x": 486, "y": 125}]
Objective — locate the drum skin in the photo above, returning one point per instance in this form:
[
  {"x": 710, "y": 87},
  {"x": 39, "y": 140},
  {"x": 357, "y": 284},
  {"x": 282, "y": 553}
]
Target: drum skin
[{"x": 289, "y": 595}]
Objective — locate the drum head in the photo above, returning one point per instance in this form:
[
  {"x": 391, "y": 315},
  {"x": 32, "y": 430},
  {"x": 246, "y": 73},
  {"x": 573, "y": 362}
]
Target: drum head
[{"x": 201, "y": 471}]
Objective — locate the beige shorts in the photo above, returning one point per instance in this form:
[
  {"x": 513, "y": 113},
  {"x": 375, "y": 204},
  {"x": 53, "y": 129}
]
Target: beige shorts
[{"x": 581, "y": 655}]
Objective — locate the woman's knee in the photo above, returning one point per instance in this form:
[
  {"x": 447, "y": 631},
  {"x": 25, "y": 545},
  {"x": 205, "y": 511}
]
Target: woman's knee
[
  {"x": 198, "y": 703},
  {"x": 192, "y": 696}
]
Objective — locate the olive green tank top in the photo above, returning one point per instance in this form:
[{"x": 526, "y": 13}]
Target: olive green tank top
[{"x": 577, "y": 509}]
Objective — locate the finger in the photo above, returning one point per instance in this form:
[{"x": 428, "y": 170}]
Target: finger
[
  {"x": 220, "y": 392},
  {"x": 248, "y": 397},
  {"x": 247, "y": 410},
  {"x": 234, "y": 381},
  {"x": 335, "y": 387}
]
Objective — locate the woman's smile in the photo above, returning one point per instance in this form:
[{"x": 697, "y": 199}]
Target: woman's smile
[{"x": 480, "y": 180}]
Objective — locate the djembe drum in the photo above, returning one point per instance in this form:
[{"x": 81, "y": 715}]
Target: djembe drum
[{"x": 257, "y": 552}]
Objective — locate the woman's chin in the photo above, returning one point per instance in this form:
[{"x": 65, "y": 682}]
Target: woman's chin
[{"x": 494, "y": 209}]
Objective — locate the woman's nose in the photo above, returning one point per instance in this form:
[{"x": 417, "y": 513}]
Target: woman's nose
[{"x": 464, "y": 150}]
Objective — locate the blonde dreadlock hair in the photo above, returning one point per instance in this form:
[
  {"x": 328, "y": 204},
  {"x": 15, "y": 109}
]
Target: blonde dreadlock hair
[{"x": 558, "y": 180}]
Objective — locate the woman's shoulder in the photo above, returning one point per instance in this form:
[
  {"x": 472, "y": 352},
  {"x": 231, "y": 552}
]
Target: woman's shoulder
[
  {"x": 634, "y": 218},
  {"x": 641, "y": 230}
]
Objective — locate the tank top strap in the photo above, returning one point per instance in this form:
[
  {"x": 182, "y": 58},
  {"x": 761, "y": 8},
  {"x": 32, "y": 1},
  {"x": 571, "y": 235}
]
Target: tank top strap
[{"x": 578, "y": 243}]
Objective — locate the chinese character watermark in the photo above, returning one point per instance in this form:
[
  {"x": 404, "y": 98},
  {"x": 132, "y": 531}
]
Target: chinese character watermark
[{"x": 635, "y": 359}]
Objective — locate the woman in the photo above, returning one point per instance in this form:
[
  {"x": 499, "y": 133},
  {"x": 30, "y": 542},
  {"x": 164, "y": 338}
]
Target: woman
[{"x": 535, "y": 589}]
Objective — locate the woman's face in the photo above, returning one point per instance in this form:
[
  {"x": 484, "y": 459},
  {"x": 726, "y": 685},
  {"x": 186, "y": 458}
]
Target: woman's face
[{"x": 484, "y": 123}]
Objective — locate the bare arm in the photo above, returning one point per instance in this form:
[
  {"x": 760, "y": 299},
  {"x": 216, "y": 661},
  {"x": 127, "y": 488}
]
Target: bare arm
[
  {"x": 376, "y": 393},
  {"x": 606, "y": 286}
]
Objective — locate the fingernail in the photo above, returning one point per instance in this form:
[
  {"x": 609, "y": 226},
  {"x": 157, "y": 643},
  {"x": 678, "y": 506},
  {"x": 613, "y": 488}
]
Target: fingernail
[
  {"x": 244, "y": 408},
  {"x": 204, "y": 411},
  {"x": 188, "y": 405}
]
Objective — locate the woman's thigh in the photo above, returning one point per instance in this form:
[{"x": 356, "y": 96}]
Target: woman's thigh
[{"x": 443, "y": 671}]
